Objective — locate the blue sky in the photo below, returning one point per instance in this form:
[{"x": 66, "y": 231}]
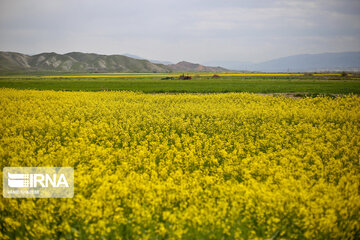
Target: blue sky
[{"x": 191, "y": 30}]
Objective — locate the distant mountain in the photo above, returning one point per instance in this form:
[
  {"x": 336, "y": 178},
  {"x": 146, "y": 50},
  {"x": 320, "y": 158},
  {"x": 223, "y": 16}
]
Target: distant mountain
[
  {"x": 151, "y": 60},
  {"x": 192, "y": 67},
  {"x": 132, "y": 56},
  {"x": 234, "y": 65},
  {"x": 345, "y": 61},
  {"x": 160, "y": 62},
  {"x": 89, "y": 62}
]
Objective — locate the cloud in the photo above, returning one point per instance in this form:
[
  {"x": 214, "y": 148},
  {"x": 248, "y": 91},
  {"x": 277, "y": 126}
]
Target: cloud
[{"x": 181, "y": 30}]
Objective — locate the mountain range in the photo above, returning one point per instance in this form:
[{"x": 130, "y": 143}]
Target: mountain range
[
  {"x": 342, "y": 61},
  {"x": 90, "y": 62},
  {"x": 12, "y": 62}
]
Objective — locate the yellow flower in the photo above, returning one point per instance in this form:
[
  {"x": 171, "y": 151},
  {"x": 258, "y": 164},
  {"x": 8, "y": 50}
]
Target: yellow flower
[{"x": 234, "y": 165}]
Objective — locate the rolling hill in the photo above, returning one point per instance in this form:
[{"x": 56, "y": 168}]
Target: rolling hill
[{"x": 11, "y": 62}]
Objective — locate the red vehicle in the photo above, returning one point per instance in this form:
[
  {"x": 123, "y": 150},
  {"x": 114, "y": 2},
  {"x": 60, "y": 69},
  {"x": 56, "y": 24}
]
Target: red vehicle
[{"x": 183, "y": 77}]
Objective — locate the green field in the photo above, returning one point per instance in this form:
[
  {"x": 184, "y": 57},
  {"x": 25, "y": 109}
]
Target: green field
[{"x": 201, "y": 84}]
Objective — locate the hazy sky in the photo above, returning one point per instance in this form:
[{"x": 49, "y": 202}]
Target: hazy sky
[{"x": 192, "y": 30}]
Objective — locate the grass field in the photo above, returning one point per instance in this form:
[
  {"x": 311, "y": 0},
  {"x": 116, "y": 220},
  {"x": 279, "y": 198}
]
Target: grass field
[{"x": 201, "y": 83}]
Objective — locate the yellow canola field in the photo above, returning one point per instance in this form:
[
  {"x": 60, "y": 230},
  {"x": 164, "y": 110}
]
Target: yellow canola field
[
  {"x": 145, "y": 75},
  {"x": 161, "y": 75},
  {"x": 185, "y": 166}
]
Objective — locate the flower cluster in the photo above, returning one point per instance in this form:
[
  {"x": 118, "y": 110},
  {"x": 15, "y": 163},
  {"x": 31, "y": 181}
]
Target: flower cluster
[
  {"x": 185, "y": 166},
  {"x": 152, "y": 75}
]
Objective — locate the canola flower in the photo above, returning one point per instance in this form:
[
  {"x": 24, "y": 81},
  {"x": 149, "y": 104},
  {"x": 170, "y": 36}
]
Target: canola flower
[
  {"x": 185, "y": 166},
  {"x": 161, "y": 75}
]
